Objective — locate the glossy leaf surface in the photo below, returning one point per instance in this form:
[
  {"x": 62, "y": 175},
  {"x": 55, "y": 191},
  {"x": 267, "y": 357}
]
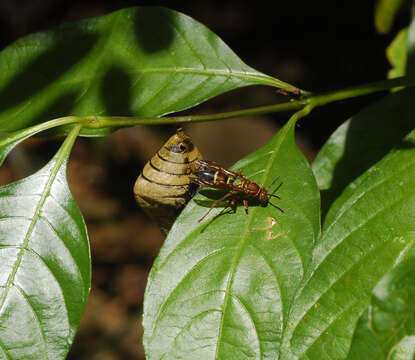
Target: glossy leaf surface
[
  {"x": 137, "y": 61},
  {"x": 44, "y": 264}
]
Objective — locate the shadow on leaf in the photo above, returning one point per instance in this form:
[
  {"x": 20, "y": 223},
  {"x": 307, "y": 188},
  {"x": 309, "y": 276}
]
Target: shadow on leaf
[
  {"x": 41, "y": 71},
  {"x": 151, "y": 41},
  {"x": 116, "y": 92}
]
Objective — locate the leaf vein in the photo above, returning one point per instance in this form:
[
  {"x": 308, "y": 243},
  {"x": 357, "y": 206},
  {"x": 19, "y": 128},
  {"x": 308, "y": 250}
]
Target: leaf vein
[
  {"x": 217, "y": 53},
  {"x": 36, "y": 316},
  {"x": 5, "y": 218},
  {"x": 340, "y": 277},
  {"x": 251, "y": 318},
  {"x": 188, "y": 324},
  {"x": 78, "y": 268},
  {"x": 198, "y": 263},
  {"x": 59, "y": 161},
  {"x": 268, "y": 262},
  {"x": 153, "y": 96},
  {"x": 366, "y": 221},
  {"x": 4, "y": 351},
  {"x": 382, "y": 180},
  {"x": 186, "y": 41}
]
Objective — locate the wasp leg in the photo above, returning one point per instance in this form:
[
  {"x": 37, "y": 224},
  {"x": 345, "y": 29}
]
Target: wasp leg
[
  {"x": 231, "y": 205},
  {"x": 231, "y": 193},
  {"x": 246, "y": 205}
]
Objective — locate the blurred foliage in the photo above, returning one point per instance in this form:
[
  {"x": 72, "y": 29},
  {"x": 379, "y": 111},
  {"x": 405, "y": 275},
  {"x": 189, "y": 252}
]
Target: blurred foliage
[
  {"x": 385, "y": 13},
  {"x": 396, "y": 53}
]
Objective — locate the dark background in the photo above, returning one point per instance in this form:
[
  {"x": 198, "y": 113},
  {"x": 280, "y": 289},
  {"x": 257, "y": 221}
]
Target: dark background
[{"x": 317, "y": 46}]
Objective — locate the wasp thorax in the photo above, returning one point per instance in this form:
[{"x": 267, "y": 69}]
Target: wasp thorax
[
  {"x": 252, "y": 187},
  {"x": 163, "y": 187}
]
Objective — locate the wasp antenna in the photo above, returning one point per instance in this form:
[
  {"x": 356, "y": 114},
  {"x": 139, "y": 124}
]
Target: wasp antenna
[
  {"x": 276, "y": 196},
  {"x": 269, "y": 187},
  {"x": 277, "y": 207},
  {"x": 276, "y": 189}
]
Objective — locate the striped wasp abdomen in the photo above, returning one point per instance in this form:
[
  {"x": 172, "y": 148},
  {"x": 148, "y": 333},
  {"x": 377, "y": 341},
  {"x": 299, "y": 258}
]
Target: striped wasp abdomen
[{"x": 164, "y": 187}]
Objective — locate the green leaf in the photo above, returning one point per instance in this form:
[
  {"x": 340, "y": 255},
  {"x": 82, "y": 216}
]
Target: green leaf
[
  {"x": 387, "y": 328},
  {"x": 362, "y": 141},
  {"x": 385, "y": 12},
  {"x": 137, "y": 61},
  {"x": 397, "y": 53},
  {"x": 368, "y": 230},
  {"x": 222, "y": 289},
  {"x": 45, "y": 263}
]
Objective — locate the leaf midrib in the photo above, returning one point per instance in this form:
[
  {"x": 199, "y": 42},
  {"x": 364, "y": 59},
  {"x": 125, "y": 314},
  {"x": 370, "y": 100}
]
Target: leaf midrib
[
  {"x": 245, "y": 232},
  {"x": 24, "y": 247},
  {"x": 33, "y": 222},
  {"x": 60, "y": 157},
  {"x": 255, "y": 77}
]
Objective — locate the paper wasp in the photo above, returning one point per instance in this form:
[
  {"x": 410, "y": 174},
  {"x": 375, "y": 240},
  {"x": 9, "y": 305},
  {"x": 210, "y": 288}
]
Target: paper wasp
[{"x": 238, "y": 186}]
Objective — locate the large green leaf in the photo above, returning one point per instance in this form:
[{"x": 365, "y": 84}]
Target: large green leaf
[
  {"x": 45, "y": 263},
  {"x": 138, "y": 61},
  {"x": 223, "y": 289},
  {"x": 362, "y": 141},
  {"x": 368, "y": 230}
]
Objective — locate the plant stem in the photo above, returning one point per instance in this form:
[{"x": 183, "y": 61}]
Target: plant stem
[
  {"x": 314, "y": 100},
  {"x": 301, "y": 113},
  {"x": 348, "y": 93},
  {"x": 32, "y": 130},
  {"x": 98, "y": 122}
]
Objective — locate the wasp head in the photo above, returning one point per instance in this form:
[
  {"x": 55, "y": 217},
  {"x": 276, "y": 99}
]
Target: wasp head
[{"x": 263, "y": 195}]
